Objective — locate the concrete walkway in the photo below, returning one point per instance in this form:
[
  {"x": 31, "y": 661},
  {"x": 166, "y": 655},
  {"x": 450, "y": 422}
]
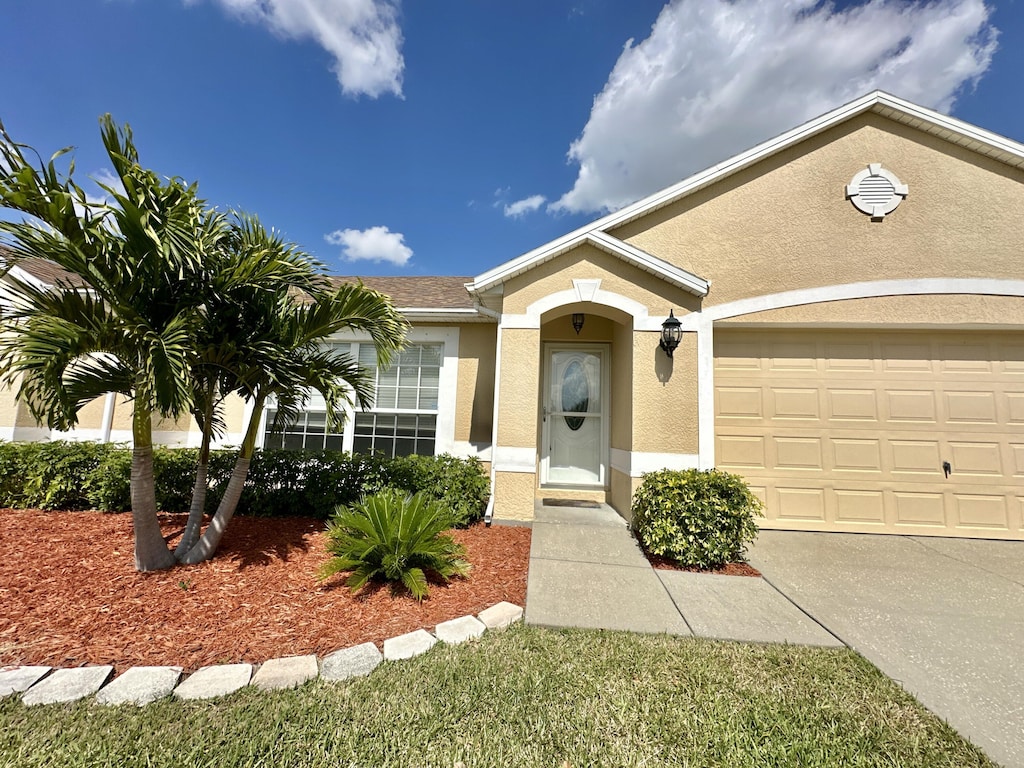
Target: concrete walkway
[
  {"x": 943, "y": 617},
  {"x": 586, "y": 570}
]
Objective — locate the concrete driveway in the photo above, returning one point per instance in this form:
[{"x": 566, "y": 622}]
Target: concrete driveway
[{"x": 943, "y": 617}]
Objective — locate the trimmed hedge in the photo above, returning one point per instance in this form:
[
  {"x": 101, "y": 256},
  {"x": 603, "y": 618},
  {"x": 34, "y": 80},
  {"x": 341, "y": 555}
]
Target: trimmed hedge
[
  {"x": 73, "y": 476},
  {"x": 701, "y": 519}
]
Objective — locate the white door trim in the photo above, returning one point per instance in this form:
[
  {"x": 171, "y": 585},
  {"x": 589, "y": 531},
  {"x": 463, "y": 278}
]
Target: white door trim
[{"x": 549, "y": 348}]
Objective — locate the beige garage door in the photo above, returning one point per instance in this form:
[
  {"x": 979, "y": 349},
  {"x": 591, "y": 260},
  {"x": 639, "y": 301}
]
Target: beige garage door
[{"x": 849, "y": 431}]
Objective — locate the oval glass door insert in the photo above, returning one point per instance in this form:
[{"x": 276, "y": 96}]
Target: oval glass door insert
[{"x": 575, "y": 394}]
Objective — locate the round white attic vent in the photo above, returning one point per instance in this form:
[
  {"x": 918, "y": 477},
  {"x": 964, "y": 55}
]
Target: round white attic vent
[{"x": 876, "y": 191}]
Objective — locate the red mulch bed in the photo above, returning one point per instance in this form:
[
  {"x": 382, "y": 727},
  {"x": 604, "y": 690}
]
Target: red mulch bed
[
  {"x": 70, "y": 595},
  {"x": 729, "y": 569}
]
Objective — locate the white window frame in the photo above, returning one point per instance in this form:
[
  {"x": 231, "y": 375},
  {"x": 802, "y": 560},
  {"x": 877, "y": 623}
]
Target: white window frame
[{"x": 447, "y": 388}]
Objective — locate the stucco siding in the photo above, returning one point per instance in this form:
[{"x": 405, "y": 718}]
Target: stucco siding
[
  {"x": 518, "y": 410},
  {"x": 588, "y": 263},
  {"x": 621, "y": 493},
  {"x": 475, "y": 398},
  {"x": 514, "y": 495},
  {"x": 622, "y": 388},
  {"x": 664, "y": 396},
  {"x": 785, "y": 223}
]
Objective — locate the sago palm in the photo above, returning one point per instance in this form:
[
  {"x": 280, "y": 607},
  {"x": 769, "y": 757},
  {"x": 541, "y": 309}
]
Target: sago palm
[{"x": 396, "y": 538}]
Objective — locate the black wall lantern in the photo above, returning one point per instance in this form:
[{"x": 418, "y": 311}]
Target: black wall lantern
[
  {"x": 577, "y": 321},
  {"x": 671, "y": 333}
]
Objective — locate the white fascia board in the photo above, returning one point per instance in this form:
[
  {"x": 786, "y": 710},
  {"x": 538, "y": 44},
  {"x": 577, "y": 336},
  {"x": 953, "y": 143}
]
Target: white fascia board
[
  {"x": 688, "y": 281},
  {"x": 20, "y": 274},
  {"x": 1007, "y": 150},
  {"x": 510, "y": 269},
  {"x": 441, "y": 315}
]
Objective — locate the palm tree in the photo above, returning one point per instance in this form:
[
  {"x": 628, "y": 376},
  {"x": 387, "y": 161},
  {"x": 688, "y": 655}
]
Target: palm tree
[
  {"x": 130, "y": 325},
  {"x": 286, "y": 359}
]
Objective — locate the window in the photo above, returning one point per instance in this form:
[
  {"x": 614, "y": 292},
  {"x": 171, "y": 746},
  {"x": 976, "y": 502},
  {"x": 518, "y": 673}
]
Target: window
[
  {"x": 307, "y": 433},
  {"x": 403, "y": 420}
]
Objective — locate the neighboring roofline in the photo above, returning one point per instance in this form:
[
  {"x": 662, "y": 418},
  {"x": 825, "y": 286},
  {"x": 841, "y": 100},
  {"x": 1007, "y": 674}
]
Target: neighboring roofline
[
  {"x": 949, "y": 128},
  {"x": 639, "y": 258}
]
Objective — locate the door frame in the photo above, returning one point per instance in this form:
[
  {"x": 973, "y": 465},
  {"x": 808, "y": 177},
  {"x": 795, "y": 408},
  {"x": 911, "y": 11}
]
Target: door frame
[{"x": 604, "y": 350}]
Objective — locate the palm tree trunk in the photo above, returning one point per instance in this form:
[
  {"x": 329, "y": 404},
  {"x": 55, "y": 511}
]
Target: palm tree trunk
[
  {"x": 151, "y": 552},
  {"x": 195, "y": 513},
  {"x": 208, "y": 544}
]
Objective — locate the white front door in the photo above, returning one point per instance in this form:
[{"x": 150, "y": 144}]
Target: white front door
[{"x": 575, "y": 424}]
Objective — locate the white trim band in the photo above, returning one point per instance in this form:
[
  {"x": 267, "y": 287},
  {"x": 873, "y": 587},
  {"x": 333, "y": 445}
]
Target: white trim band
[
  {"x": 510, "y": 459},
  {"x": 636, "y": 463}
]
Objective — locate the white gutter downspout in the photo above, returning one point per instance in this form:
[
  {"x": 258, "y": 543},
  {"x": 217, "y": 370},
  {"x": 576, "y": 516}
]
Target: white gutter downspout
[{"x": 108, "y": 416}]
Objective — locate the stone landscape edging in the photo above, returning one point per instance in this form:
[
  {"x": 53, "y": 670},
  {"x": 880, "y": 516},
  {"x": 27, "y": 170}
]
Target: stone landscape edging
[{"x": 144, "y": 684}]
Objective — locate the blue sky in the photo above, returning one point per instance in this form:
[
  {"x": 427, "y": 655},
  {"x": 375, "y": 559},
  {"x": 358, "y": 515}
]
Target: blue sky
[{"x": 446, "y": 137}]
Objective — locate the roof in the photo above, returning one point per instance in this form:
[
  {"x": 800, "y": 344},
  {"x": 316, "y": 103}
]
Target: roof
[
  {"x": 42, "y": 270},
  {"x": 418, "y": 292},
  {"x": 948, "y": 128}
]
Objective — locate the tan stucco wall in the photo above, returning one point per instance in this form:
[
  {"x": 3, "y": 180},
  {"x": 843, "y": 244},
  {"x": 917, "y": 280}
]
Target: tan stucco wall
[
  {"x": 785, "y": 223},
  {"x": 955, "y": 310},
  {"x": 589, "y": 263},
  {"x": 475, "y": 397},
  {"x": 234, "y": 414},
  {"x": 8, "y": 406},
  {"x": 620, "y": 493},
  {"x": 514, "y": 495},
  {"x": 622, "y": 388},
  {"x": 664, "y": 395},
  {"x": 519, "y": 387}
]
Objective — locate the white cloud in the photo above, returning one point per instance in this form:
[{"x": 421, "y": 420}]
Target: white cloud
[
  {"x": 717, "y": 77},
  {"x": 363, "y": 36},
  {"x": 373, "y": 244},
  {"x": 524, "y": 206}
]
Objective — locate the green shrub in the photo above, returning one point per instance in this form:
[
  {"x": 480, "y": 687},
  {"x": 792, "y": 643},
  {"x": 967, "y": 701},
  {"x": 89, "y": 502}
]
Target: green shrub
[
  {"x": 702, "y": 519},
  {"x": 459, "y": 483},
  {"x": 109, "y": 486},
  {"x": 66, "y": 475},
  {"x": 50, "y": 475},
  {"x": 394, "y": 537}
]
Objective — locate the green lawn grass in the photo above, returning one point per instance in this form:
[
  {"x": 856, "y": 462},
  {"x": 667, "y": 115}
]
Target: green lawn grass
[{"x": 525, "y": 697}]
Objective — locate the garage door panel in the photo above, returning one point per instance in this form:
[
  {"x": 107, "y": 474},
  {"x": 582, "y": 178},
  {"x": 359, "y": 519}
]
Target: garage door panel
[
  {"x": 970, "y": 407},
  {"x": 798, "y": 453},
  {"x": 741, "y": 451},
  {"x": 981, "y": 511},
  {"x": 787, "y": 356},
  {"x": 844, "y": 430},
  {"x": 848, "y": 357},
  {"x": 856, "y": 404},
  {"x": 976, "y": 458},
  {"x": 903, "y": 357},
  {"x": 915, "y": 456},
  {"x": 911, "y": 405},
  {"x": 957, "y": 358},
  {"x": 1015, "y": 407},
  {"x": 919, "y": 508},
  {"x": 800, "y": 503},
  {"x": 739, "y": 403},
  {"x": 856, "y": 455},
  {"x": 860, "y": 507},
  {"x": 795, "y": 403}
]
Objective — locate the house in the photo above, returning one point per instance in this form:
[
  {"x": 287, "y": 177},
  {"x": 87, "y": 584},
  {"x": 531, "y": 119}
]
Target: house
[{"x": 842, "y": 309}]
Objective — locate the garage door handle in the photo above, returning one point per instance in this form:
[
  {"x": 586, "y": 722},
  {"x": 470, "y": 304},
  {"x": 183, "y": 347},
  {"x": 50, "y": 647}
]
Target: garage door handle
[{"x": 947, "y": 468}]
